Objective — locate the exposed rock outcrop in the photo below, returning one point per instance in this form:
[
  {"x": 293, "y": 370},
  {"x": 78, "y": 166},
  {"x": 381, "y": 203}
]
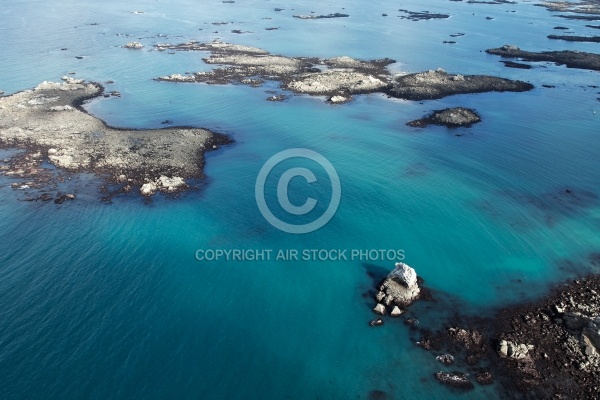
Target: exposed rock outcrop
[
  {"x": 438, "y": 84},
  {"x": 134, "y": 45},
  {"x": 450, "y": 117},
  {"x": 400, "y": 288}
]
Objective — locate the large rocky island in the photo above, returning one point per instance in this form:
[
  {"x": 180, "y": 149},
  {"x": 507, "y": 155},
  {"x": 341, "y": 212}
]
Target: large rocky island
[{"x": 48, "y": 123}]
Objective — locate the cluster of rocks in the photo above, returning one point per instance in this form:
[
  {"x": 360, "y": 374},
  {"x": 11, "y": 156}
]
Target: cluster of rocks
[
  {"x": 398, "y": 290},
  {"x": 438, "y": 84},
  {"x": 450, "y": 117},
  {"x": 164, "y": 184},
  {"x": 581, "y": 7},
  {"x": 465, "y": 349},
  {"x": 337, "y": 77},
  {"x": 48, "y": 123},
  {"x": 313, "y": 16},
  {"x": 571, "y": 59},
  {"x": 552, "y": 348}
]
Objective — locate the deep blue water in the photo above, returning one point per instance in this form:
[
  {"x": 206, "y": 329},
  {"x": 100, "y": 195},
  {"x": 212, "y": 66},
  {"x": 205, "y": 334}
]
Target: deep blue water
[{"x": 108, "y": 301}]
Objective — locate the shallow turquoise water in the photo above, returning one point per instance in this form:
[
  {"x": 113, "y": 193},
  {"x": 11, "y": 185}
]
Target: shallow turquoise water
[{"x": 107, "y": 301}]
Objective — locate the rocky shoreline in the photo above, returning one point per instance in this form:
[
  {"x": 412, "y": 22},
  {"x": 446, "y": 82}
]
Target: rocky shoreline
[{"x": 48, "y": 123}]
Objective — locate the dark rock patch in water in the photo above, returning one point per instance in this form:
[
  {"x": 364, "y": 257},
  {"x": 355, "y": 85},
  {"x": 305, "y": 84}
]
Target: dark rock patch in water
[
  {"x": 593, "y": 39},
  {"x": 512, "y": 64},
  {"x": 572, "y": 59},
  {"x": 449, "y": 117},
  {"x": 421, "y": 15}
]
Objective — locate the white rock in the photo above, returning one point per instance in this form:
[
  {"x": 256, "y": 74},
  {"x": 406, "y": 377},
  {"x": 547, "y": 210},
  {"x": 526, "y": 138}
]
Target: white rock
[
  {"x": 148, "y": 189},
  {"x": 338, "y": 99},
  {"x": 72, "y": 81},
  {"x": 396, "y": 312},
  {"x": 175, "y": 182},
  {"x": 379, "y": 309},
  {"x": 62, "y": 108},
  {"x": 508, "y": 349},
  {"x": 134, "y": 45},
  {"x": 405, "y": 274}
]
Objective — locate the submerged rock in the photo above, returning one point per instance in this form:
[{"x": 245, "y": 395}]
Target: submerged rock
[
  {"x": 455, "y": 379},
  {"x": 445, "y": 359},
  {"x": 484, "y": 378}
]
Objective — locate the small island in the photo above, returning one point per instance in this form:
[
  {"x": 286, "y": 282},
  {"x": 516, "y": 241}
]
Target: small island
[
  {"x": 49, "y": 123},
  {"x": 449, "y": 117}
]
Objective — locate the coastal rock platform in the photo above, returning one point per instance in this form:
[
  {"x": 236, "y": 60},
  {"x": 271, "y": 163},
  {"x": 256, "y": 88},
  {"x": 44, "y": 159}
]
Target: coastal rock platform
[{"x": 49, "y": 123}]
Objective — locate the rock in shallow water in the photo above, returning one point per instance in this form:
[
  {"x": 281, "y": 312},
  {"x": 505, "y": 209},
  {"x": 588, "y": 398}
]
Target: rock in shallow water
[{"x": 450, "y": 117}]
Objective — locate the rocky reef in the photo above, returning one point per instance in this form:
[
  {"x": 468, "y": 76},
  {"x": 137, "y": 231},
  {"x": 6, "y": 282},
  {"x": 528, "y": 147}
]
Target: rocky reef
[
  {"x": 544, "y": 350},
  {"x": 438, "y": 84},
  {"x": 551, "y": 348},
  {"x": 571, "y": 59},
  {"x": 449, "y": 117},
  {"x": 49, "y": 123},
  {"x": 337, "y": 78}
]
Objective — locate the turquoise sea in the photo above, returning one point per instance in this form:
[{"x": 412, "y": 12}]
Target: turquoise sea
[{"x": 108, "y": 301}]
